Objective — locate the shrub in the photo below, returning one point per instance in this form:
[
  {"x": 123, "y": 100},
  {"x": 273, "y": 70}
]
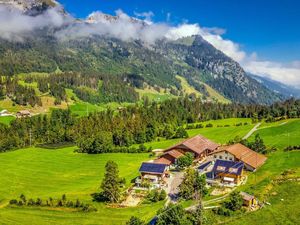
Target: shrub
[
  {"x": 209, "y": 125},
  {"x": 13, "y": 202}
]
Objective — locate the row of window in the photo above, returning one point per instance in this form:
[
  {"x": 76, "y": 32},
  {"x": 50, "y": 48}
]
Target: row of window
[{"x": 221, "y": 157}]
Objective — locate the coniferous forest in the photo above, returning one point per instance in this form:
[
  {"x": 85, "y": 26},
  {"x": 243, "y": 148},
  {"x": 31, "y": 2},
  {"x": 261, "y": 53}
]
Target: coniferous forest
[{"x": 117, "y": 130}]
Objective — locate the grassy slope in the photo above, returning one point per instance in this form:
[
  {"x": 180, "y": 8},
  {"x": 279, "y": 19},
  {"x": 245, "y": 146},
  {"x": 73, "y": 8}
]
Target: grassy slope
[
  {"x": 6, "y": 119},
  {"x": 219, "y": 134},
  {"x": 279, "y": 212},
  {"x": 42, "y": 173}
]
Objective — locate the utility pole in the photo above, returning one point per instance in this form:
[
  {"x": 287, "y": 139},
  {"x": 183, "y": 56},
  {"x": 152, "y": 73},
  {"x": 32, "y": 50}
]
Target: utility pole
[{"x": 30, "y": 137}]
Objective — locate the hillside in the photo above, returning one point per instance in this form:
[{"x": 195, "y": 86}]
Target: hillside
[
  {"x": 283, "y": 89},
  {"x": 156, "y": 64}
]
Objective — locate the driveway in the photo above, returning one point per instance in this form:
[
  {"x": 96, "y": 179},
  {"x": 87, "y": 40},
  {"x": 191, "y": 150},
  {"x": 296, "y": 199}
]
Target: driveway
[
  {"x": 173, "y": 186},
  {"x": 252, "y": 131}
]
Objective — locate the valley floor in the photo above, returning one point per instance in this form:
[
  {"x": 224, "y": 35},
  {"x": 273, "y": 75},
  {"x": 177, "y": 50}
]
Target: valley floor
[{"x": 44, "y": 173}]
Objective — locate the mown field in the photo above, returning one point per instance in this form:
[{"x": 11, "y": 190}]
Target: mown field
[
  {"x": 45, "y": 173},
  {"x": 218, "y": 133},
  {"x": 6, "y": 119}
]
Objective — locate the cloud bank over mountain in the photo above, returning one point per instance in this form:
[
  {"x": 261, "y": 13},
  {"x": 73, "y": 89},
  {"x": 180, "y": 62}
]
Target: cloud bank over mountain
[{"x": 15, "y": 25}]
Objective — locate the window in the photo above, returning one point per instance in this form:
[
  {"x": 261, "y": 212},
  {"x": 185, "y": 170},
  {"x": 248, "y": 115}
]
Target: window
[
  {"x": 221, "y": 168},
  {"x": 220, "y": 157},
  {"x": 230, "y": 158},
  {"x": 233, "y": 170},
  {"x": 215, "y": 156},
  {"x": 226, "y": 157}
]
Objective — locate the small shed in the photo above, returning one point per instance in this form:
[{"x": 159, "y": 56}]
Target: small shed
[{"x": 248, "y": 200}]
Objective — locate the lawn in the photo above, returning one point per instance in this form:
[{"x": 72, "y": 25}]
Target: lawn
[{"x": 43, "y": 173}]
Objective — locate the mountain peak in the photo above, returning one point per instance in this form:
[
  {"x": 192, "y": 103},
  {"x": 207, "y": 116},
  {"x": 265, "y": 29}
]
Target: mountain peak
[{"x": 31, "y": 7}]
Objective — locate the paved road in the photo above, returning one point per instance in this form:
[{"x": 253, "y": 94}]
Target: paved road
[
  {"x": 252, "y": 131},
  {"x": 174, "y": 187}
]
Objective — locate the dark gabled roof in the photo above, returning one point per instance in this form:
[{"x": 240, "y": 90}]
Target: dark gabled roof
[
  {"x": 228, "y": 167},
  {"x": 152, "y": 168},
  {"x": 197, "y": 144},
  {"x": 204, "y": 165}
]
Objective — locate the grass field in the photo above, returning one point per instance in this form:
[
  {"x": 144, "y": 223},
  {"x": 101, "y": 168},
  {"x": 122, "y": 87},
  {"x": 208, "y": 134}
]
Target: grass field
[
  {"x": 218, "y": 134},
  {"x": 284, "y": 208},
  {"x": 45, "y": 173},
  {"x": 6, "y": 119},
  {"x": 280, "y": 134}
]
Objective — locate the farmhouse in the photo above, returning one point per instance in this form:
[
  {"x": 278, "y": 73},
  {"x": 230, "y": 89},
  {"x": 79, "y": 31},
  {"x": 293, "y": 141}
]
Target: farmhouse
[
  {"x": 152, "y": 172},
  {"x": 226, "y": 171},
  {"x": 170, "y": 157},
  {"x": 4, "y": 113},
  {"x": 23, "y": 113},
  {"x": 200, "y": 146},
  {"x": 239, "y": 152}
]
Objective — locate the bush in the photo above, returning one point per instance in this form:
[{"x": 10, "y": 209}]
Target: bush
[
  {"x": 163, "y": 195},
  {"x": 209, "y": 125},
  {"x": 13, "y": 202},
  {"x": 156, "y": 195},
  {"x": 222, "y": 211},
  {"x": 185, "y": 161},
  {"x": 198, "y": 126}
]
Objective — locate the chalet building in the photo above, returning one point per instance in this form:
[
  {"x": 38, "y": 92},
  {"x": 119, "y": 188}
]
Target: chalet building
[
  {"x": 23, "y": 113},
  {"x": 240, "y": 153},
  {"x": 4, "y": 113},
  {"x": 200, "y": 146},
  {"x": 153, "y": 172},
  {"x": 249, "y": 200},
  {"x": 170, "y": 157},
  {"x": 229, "y": 172}
]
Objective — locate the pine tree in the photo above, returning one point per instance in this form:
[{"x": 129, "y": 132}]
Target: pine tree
[{"x": 110, "y": 183}]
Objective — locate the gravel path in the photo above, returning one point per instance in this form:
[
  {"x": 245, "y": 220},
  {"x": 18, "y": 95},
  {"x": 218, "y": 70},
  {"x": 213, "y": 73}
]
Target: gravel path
[{"x": 252, "y": 131}]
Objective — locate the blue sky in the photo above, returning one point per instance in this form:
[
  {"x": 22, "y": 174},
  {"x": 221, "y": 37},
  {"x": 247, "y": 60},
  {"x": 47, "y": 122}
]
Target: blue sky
[{"x": 271, "y": 28}]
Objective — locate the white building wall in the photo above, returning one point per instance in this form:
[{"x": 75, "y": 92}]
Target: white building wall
[{"x": 223, "y": 156}]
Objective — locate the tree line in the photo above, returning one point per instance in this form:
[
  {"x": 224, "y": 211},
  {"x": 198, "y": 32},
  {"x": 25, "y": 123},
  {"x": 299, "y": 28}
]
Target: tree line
[{"x": 117, "y": 130}]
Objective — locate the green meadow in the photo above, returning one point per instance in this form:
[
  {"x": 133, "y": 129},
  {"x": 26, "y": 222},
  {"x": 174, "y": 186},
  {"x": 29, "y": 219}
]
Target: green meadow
[
  {"x": 44, "y": 173},
  {"x": 6, "y": 119}
]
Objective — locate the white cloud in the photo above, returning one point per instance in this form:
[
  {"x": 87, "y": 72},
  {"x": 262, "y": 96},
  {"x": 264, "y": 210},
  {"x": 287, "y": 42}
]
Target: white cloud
[
  {"x": 183, "y": 30},
  {"x": 15, "y": 26}
]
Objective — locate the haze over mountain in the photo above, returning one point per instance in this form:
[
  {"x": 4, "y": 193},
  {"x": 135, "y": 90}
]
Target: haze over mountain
[{"x": 39, "y": 36}]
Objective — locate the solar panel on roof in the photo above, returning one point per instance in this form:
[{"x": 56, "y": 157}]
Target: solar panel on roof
[
  {"x": 204, "y": 165},
  {"x": 152, "y": 168}
]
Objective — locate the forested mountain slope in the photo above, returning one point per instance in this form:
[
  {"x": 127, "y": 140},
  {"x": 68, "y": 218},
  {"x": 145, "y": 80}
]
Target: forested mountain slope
[{"x": 156, "y": 64}]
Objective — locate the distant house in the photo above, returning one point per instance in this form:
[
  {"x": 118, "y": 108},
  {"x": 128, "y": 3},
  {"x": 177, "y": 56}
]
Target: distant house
[
  {"x": 239, "y": 152},
  {"x": 198, "y": 145},
  {"x": 4, "y": 113},
  {"x": 248, "y": 200},
  {"x": 23, "y": 113},
  {"x": 227, "y": 171},
  {"x": 153, "y": 172}
]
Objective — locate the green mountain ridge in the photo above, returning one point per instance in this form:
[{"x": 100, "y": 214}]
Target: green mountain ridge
[{"x": 156, "y": 65}]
